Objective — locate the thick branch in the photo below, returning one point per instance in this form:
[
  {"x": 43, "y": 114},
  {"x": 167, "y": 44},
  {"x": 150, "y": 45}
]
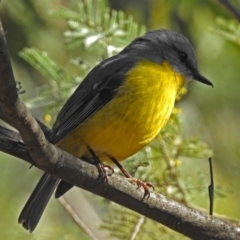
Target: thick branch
[
  {"x": 47, "y": 157},
  {"x": 185, "y": 220},
  {"x": 16, "y": 113}
]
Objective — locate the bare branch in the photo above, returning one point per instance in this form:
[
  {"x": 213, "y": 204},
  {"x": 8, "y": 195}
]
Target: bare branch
[
  {"x": 76, "y": 218},
  {"x": 188, "y": 221},
  {"x": 18, "y": 115},
  {"x": 137, "y": 227},
  {"x": 192, "y": 223},
  {"x": 231, "y": 8}
]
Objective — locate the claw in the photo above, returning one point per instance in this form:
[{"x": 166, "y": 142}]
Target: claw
[
  {"x": 102, "y": 171},
  {"x": 102, "y": 174},
  {"x": 145, "y": 186},
  {"x": 109, "y": 168}
]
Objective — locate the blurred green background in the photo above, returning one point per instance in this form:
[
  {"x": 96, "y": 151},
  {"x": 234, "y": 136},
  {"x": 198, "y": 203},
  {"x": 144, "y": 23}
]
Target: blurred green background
[{"x": 212, "y": 114}]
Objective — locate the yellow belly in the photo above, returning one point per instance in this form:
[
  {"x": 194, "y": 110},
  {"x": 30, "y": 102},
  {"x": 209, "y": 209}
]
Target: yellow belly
[{"x": 133, "y": 118}]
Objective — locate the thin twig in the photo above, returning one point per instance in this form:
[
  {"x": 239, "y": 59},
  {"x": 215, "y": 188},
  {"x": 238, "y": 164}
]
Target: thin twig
[
  {"x": 85, "y": 213},
  {"x": 137, "y": 227},
  {"x": 77, "y": 219},
  {"x": 211, "y": 187}
]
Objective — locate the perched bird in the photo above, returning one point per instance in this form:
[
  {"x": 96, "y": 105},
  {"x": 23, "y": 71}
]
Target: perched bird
[{"x": 118, "y": 109}]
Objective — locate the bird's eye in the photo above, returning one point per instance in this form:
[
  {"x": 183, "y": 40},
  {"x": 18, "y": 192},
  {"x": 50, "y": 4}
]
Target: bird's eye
[{"x": 183, "y": 56}]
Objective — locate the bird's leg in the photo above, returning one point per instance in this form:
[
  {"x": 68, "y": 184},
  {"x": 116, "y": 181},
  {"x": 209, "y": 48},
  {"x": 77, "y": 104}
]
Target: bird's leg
[
  {"x": 103, "y": 175},
  {"x": 145, "y": 186}
]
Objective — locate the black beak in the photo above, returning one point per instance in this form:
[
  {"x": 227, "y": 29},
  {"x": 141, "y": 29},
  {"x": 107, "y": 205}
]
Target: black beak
[{"x": 200, "y": 78}]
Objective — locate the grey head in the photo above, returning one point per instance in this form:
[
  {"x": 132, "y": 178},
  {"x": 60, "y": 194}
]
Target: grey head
[{"x": 167, "y": 45}]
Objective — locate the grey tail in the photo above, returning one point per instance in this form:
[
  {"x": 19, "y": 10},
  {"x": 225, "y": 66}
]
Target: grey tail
[
  {"x": 37, "y": 202},
  {"x": 62, "y": 188}
]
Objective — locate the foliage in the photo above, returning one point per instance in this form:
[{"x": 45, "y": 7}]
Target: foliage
[
  {"x": 228, "y": 29},
  {"x": 94, "y": 28},
  {"x": 94, "y": 33},
  {"x": 97, "y": 29},
  {"x": 125, "y": 224},
  {"x": 58, "y": 79},
  {"x": 169, "y": 148}
]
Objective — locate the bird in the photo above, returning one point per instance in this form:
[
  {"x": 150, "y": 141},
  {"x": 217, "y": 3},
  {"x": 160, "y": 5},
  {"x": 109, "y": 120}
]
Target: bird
[{"x": 118, "y": 109}]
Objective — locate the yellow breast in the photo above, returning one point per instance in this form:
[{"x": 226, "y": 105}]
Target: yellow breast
[{"x": 133, "y": 118}]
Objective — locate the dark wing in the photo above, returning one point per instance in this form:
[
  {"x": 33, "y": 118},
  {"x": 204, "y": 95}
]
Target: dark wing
[{"x": 95, "y": 91}]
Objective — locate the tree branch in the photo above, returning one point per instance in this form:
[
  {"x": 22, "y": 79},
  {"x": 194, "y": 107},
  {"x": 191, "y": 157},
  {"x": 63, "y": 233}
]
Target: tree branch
[
  {"x": 17, "y": 115},
  {"x": 39, "y": 152},
  {"x": 231, "y": 8}
]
